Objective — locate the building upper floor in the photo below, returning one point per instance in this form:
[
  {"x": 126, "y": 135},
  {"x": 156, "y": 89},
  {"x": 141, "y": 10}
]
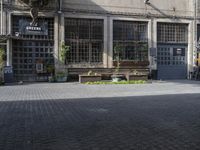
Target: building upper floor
[
  {"x": 182, "y": 8},
  {"x": 142, "y": 7}
]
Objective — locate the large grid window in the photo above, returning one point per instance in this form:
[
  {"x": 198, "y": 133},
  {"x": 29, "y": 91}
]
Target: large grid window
[
  {"x": 26, "y": 54},
  {"x": 172, "y": 33},
  {"x": 133, "y": 40},
  {"x": 85, "y": 38}
]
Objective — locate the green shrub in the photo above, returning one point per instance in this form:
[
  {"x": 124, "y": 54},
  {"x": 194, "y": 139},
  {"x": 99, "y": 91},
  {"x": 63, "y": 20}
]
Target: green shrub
[
  {"x": 60, "y": 74},
  {"x": 64, "y": 52},
  {"x": 120, "y": 82}
]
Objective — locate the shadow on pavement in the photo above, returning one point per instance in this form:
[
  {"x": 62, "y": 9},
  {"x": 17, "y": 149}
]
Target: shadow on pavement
[{"x": 129, "y": 123}]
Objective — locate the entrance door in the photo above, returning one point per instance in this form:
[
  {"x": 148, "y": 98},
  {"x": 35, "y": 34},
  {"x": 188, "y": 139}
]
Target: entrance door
[
  {"x": 172, "y": 61},
  {"x": 26, "y": 54}
]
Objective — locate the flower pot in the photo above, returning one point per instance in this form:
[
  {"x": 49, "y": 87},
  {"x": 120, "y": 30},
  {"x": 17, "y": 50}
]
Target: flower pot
[
  {"x": 117, "y": 77},
  {"x": 61, "y": 79},
  {"x": 51, "y": 79}
]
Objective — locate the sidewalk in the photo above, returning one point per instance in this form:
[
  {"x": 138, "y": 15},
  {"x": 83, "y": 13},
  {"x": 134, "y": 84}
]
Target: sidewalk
[{"x": 46, "y": 91}]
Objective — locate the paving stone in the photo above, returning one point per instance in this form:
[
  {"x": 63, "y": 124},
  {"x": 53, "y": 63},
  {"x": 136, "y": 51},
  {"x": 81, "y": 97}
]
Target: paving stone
[{"x": 33, "y": 117}]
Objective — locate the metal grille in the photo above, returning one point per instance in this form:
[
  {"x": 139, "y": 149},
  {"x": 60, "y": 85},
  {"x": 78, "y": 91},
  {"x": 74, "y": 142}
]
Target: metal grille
[
  {"x": 26, "y": 54},
  {"x": 85, "y": 38},
  {"x": 172, "y": 61},
  {"x": 17, "y": 35},
  {"x": 133, "y": 38},
  {"x": 169, "y": 56},
  {"x": 172, "y": 33},
  {"x": 28, "y": 50}
]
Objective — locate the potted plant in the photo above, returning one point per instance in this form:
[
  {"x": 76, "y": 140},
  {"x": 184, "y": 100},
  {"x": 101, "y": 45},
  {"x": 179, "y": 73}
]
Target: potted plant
[
  {"x": 2, "y": 63},
  {"x": 89, "y": 77},
  {"x": 64, "y": 52},
  {"x": 116, "y": 77},
  {"x": 50, "y": 70},
  {"x": 61, "y": 76}
]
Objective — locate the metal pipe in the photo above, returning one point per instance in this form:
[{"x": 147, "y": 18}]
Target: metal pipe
[
  {"x": 1, "y": 17},
  {"x": 195, "y": 34},
  {"x": 60, "y": 5}
]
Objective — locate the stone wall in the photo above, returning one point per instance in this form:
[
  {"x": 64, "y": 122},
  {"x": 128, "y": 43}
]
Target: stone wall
[{"x": 157, "y": 7}]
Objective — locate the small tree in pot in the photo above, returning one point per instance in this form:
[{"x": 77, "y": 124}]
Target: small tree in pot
[
  {"x": 64, "y": 51},
  {"x": 61, "y": 76},
  {"x": 117, "y": 54},
  {"x": 50, "y": 70},
  {"x": 2, "y": 63}
]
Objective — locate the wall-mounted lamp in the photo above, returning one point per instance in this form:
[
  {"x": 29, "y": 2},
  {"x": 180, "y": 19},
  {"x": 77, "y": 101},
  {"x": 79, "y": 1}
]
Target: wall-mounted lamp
[{"x": 146, "y": 2}]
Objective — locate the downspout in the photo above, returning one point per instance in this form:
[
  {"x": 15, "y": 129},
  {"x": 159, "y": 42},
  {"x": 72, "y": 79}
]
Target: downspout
[
  {"x": 1, "y": 17},
  {"x": 59, "y": 21},
  {"x": 195, "y": 32}
]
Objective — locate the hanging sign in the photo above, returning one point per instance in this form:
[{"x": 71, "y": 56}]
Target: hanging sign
[
  {"x": 8, "y": 74},
  {"x": 26, "y": 28},
  {"x": 178, "y": 51}
]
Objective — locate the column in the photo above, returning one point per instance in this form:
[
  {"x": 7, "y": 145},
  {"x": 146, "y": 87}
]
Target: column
[
  {"x": 56, "y": 41},
  {"x": 110, "y": 42},
  {"x": 105, "y": 46},
  {"x": 9, "y": 53},
  {"x": 9, "y": 41},
  {"x": 192, "y": 54},
  {"x": 154, "y": 43},
  {"x": 62, "y": 27}
]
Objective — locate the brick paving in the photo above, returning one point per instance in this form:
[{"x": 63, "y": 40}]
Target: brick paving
[{"x": 40, "y": 120}]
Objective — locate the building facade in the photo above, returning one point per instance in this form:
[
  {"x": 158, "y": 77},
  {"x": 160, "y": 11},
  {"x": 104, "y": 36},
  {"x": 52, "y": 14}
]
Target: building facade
[{"x": 154, "y": 34}]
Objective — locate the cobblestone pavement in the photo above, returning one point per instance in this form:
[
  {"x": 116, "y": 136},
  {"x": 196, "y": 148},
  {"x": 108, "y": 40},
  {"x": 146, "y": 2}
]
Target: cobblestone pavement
[
  {"x": 37, "y": 120},
  {"x": 46, "y": 91}
]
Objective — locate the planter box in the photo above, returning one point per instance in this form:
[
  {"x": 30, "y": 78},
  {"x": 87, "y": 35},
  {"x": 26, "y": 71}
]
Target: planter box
[
  {"x": 131, "y": 63},
  {"x": 136, "y": 77},
  {"x": 87, "y": 78},
  {"x": 61, "y": 79},
  {"x": 51, "y": 79}
]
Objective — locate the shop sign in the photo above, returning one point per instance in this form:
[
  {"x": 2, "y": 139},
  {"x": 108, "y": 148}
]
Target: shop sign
[
  {"x": 8, "y": 74},
  {"x": 8, "y": 70},
  {"x": 178, "y": 51},
  {"x": 39, "y": 68},
  {"x": 25, "y": 28}
]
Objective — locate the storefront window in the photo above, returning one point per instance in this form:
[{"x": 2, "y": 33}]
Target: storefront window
[
  {"x": 133, "y": 40},
  {"x": 85, "y": 38},
  {"x": 172, "y": 33}
]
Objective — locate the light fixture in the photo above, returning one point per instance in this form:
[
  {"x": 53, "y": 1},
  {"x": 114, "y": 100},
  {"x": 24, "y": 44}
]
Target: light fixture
[{"x": 146, "y": 2}]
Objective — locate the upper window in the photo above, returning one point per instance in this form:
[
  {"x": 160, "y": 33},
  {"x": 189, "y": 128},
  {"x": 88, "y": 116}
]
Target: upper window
[
  {"x": 130, "y": 31},
  {"x": 172, "y": 33},
  {"x": 85, "y": 38},
  {"x": 132, "y": 38}
]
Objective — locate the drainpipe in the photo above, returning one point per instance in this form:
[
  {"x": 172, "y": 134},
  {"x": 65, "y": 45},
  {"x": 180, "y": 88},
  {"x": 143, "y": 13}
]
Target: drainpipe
[
  {"x": 1, "y": 17},
  {"x": 195, "y": 32},
  {"x": 60, "y": 6}
]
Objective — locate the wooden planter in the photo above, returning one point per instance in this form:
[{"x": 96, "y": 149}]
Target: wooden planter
[
  {"x": 136, "y": 77},
  {"x": 61, "y": 79},
  {"x": 89, "y": 78},
  {"x": 131, "y": 63}
]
